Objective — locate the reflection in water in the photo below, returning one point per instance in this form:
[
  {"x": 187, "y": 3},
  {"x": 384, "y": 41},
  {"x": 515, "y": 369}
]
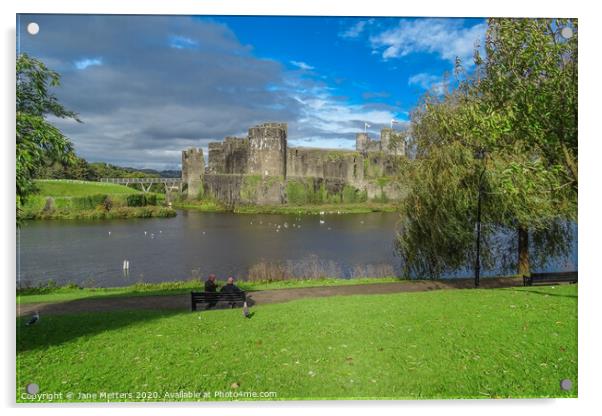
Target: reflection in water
[{"x": 194, "y": 244}]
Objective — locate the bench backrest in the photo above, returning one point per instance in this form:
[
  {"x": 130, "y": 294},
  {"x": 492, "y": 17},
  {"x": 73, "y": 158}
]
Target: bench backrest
[{"x": 208, "y": 297}]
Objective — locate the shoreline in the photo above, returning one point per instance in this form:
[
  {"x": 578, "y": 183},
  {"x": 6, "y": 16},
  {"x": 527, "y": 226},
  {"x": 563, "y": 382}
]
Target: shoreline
[{"x": 71, "y": 292}]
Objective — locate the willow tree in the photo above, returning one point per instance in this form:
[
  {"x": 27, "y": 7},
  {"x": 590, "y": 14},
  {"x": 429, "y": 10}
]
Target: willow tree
[
  {"x": 38, "y": 141},
  {"x": 508, "y": 129}
]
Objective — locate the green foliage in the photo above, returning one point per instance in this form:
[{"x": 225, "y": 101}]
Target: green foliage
[
  {"x": 88, "y": 202},
  {"x": 510, "y": 130},
  {"x": 296, "y": 192},
  {"x": 352, "y": 195},
  {"x": 137, "y": 200},
  {"x": 319, "y": 348},
  {"x": 37, "y": 141}
]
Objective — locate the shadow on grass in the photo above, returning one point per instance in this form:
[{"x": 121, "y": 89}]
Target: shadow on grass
[
  {"x": 543, "y": 293},
  {"x": 54, "y": 330},
  {"x": 77, "y": 319}
]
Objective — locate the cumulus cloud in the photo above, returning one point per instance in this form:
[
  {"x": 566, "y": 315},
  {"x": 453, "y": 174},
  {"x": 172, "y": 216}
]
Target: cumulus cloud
[
  {"x": 355, "y": 30},
  {"x": 448, "y": 38},
  {"x": 436, "y": 84},
  {"x": 302, "y": 65},
  {"x": 149, "y": 86}
]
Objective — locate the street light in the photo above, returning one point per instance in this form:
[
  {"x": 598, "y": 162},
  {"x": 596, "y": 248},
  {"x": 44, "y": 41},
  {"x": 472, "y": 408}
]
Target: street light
[{"x": 480, "y": 154}]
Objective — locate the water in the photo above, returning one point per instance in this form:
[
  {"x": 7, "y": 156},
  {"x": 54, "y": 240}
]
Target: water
[{"x": 194, "y": 244}]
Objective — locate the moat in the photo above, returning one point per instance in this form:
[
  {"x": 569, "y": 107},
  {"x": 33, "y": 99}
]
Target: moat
[{"x": 194, "y": 244}]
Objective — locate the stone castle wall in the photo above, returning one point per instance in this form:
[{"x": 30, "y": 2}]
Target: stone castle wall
[
  {"x": 193, "y": 170},
  {"x": 261, "y": 168}
]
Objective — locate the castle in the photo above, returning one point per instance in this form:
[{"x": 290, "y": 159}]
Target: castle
[{"x": 262, "y": 169}]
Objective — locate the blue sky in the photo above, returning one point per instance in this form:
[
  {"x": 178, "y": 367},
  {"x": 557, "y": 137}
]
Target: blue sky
[{"x": 148, "y": 86}]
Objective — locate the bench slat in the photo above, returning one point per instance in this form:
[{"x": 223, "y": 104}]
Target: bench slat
[
  {"x": 559, "y": 277},
  {"x": 214, "y": 297}
]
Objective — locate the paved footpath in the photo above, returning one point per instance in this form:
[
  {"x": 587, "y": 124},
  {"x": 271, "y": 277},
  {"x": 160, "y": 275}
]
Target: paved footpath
[{"x": 182, "y": 302}]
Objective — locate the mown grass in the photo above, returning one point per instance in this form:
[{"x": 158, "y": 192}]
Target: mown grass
[
  {"x": 51, "y": 293},
  {"x": 496, "y": 343},
  {"x": 73, "y": 188}
]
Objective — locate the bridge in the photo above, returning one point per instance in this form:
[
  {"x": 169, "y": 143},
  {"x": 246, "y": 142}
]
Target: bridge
[{"x": 170, "y": 184}]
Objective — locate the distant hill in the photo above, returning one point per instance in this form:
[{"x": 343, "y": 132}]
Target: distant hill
[{"x": 83, "y": 170}]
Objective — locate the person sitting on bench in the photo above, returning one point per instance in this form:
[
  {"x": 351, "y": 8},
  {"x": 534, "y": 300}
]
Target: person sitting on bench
[
  {"x": 211, "y": 287},
  {"x": 230, "y": 287}
]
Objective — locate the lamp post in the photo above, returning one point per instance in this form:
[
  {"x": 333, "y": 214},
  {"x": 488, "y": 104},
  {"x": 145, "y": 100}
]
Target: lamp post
[{"x": 480, "y": 154}]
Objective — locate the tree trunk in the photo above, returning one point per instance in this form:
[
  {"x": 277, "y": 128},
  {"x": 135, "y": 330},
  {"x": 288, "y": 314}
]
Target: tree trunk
[{"x": 523, "y": 251}]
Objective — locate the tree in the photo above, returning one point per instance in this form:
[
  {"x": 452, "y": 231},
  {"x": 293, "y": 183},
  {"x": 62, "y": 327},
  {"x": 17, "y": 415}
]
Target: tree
[
  {"x": 37, "y": 139},
  {"x": 509, "y": 128}
]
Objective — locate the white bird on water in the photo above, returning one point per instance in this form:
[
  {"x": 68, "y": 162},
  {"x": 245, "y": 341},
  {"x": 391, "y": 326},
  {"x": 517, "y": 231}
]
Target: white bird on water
[
  {"x": 109, "y": 233},
  {"x": 35, "y": 318},
  {"x": 321, "y": 221}
]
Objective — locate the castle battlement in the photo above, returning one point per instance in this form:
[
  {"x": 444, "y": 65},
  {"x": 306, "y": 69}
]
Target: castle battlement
[{"x": 265, "y": 153}]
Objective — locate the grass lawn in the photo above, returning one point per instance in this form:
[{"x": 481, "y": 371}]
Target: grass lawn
[
  {"x": 518, "y": 342},
  {"x": 49, "y": 294},
  {"x": 72, "y": 188}
]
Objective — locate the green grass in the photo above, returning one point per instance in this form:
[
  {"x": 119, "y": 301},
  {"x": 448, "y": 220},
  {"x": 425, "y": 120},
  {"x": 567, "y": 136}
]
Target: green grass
[
  {"x": 356, "y": 208},
  {"x": 84, "y": 200},
  {"x": 53, "y": 294},
  {"x": 495, "y": 343},
  {"x": 71, "y": 188}
]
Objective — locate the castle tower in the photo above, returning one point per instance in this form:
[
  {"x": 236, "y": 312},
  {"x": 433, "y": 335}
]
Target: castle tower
[
  {"x": 193, "y": 169},
  {"x": 267, "y": 149},
  {"x": 361, "y": 142},
  {"x": 392, "y": 142}
]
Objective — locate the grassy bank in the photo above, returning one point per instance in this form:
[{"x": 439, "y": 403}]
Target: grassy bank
[
  {"x": 498, "y": 343},
  {"x": 68, "y": 199},
  {"x": 53, "y": 293},
  {"x": 342, "y": 208}
]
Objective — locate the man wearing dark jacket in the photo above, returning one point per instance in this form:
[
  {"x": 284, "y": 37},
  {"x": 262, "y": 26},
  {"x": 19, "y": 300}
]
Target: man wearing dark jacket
[
  {"x": 210, "y": 285},
  {"x": 230, "y": 287}
]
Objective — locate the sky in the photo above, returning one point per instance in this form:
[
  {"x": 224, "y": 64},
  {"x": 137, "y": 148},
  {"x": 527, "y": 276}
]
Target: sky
[{"x": 147, "y": 87}]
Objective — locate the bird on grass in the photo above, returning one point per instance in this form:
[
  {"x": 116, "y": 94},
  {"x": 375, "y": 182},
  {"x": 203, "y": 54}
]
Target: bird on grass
[
  {"x": 35, "y": 318},
  {"x": 245, "y": 310}
]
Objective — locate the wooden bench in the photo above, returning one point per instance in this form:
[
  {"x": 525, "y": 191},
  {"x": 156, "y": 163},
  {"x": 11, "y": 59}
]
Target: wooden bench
[
  {"x": 212, "y": 298},
  {"x": 547, "y": 278}
]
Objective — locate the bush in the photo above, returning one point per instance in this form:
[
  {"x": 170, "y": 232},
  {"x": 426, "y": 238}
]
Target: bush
[
  {"x": 136, "y": 200},
  {"x": 88, "y": 202}
]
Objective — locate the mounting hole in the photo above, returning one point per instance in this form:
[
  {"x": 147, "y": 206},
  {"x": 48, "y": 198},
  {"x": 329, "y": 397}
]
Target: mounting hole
[
  {"x": 566, "y": 384},
  {"x": 566, "y": 32},
  {"x": 33, "y": 28},
  {"x": 32, "y": 388}
]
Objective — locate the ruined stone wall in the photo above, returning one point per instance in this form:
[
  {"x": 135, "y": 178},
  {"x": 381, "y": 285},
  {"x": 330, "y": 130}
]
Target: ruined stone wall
[
  {"x": 236, "y": 155},
  {"x": 236, "y": 189},
  {"x": 325, "y": 163},
  {"x": 267, "y": 150},
  {"x": 216, "y": 159},
  {"x": 193, "y": 169}
]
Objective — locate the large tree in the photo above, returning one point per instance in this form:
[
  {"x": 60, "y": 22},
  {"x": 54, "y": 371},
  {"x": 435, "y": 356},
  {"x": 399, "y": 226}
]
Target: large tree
[
  {"x": 38, "y": 141},
  {"x": 508, "y": 129}
]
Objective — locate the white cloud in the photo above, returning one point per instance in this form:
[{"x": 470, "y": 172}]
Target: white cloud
[
  {"x": 436, "y": 84},
  {"x": 355, "y": 30},
  {"x": 447, "y": 38},
  {"x": 302, "y": 65},
  {"x": 86, "y": 62}
]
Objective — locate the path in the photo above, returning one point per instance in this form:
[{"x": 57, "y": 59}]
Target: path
[{"x": 259, "y": 297}]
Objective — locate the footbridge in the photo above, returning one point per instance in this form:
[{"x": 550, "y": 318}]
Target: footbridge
[{"x": 170, "y": 184}]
